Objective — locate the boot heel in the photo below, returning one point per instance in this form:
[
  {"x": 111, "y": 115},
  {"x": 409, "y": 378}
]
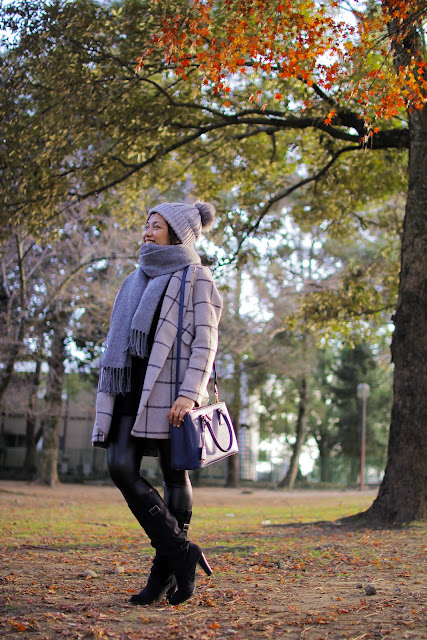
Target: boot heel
[{"x": 204, "y": 564}]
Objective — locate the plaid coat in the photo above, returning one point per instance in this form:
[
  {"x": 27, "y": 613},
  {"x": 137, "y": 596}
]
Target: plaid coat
[{"x": 202, "y": 311}]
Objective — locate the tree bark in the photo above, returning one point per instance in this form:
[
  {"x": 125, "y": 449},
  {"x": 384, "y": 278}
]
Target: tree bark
[
  {"x": 402, "y": 496},
  {"x": 289, "y": 479},
  {"x": 232, "y": 479},
  {"x": 48, "y": 473},
  {"x": 324, "y": 458},
  {"x": 353, "y": 470},
  {"x": 13, "y": 353},
  {"x": 235, "y": 410},
  {"x": 29, "y": 466},
  {"x": 17, "y": 342}
]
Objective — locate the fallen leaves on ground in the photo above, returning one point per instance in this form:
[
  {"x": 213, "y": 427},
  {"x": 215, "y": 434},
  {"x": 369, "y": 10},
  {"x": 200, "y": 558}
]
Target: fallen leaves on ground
[{"x": 72, "y": 556}]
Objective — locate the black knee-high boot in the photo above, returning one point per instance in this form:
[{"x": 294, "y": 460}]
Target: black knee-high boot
[
  {"x": 179, "y": 497},
  {"x": 179, "y": 500},
  {"x": 161, "y": 581},
  {"x": 174, "y": 550},
  {"x": 171, "y": 544}
]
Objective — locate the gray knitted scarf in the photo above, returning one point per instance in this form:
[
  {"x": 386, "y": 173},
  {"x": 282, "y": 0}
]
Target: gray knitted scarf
[{"x": 134, "y": 309}]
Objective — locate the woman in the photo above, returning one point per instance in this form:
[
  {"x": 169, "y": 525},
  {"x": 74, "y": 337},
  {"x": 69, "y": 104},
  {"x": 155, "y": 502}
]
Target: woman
[{"x": 136, "y": 394}]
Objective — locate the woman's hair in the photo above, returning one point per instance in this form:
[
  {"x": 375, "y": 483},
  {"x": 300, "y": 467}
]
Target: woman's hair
[{"x": 173, "y": 238}]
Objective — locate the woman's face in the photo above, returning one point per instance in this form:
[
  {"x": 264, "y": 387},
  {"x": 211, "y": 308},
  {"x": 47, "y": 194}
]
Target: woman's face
[{"x": 156, "y": 230}]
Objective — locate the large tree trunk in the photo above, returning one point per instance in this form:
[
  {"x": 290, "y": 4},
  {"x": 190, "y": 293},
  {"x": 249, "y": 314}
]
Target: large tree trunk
[
  {"x": 403, "y": 492},
  {"x": 48, "y": 473},
  {"x": 290, "y": 477},
  {"x": 29, "y": 467}
]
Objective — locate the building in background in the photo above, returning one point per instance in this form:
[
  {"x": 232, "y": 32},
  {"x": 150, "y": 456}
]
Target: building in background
[{"x": 77, "y": 458}]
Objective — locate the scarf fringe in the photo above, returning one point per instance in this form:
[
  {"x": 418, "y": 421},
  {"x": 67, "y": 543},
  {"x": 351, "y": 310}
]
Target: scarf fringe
[
  {"x": 114, "y": 381},
  {"x": 138, "y": 344}
]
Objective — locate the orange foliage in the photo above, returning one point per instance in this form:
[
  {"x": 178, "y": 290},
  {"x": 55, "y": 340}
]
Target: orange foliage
[{"x": 352, "y": 60}]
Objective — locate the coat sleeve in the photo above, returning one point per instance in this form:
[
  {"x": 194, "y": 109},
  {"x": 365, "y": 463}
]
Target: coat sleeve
[
  {"x": 207, "y": 307},
  {"x": 103, "y": 418}
]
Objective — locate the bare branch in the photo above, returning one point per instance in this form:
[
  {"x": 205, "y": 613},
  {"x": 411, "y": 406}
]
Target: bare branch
[{"x": 75, "y": 271}]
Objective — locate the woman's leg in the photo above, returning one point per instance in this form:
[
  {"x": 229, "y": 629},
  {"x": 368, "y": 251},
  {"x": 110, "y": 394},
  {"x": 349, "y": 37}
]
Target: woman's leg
[
  {"x": 124, "y": 455},
  {"x": 179, "y": 500},
  {"x": 178, "y": 492},
  {"x": 173, "y": 550}
]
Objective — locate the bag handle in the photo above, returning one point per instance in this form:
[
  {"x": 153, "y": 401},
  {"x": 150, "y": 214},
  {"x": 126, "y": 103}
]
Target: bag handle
[
  {"x": 178, "y": 350},
  {"x": 211, "y": 431}
]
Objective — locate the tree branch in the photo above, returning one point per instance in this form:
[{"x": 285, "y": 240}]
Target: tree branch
[
  {"x": 286, "y": 192},
  {"x": 73, "y": 273},
  {"x": 391, "y": 138}
]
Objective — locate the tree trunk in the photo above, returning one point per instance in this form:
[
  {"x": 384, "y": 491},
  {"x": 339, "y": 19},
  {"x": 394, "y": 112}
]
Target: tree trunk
[
  {"x": 29, "y": 467},
  {"x": 48, "y": 473},
  {"x": 16, "y": 345},
  {"x": 235, "y": 410},
  {"x": 353, "y": 470},
  {"x": 402, "y": 496},
  {"x": 324, "y": 458},
  {"x": 13, "y": 353},
  {"x": 289, "y": 479},
  {"x": 235, "y": 407}
]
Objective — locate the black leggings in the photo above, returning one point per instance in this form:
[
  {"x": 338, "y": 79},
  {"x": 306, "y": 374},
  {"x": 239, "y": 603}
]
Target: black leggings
[{"x": 124, "y": 456}]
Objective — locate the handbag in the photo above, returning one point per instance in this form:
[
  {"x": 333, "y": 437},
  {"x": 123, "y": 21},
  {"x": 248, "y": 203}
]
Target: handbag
[{"x": 206, "y": 434}]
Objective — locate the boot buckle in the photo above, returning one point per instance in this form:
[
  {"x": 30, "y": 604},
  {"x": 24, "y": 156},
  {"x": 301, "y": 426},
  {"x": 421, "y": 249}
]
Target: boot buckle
[{"x": 154, "y": 510}]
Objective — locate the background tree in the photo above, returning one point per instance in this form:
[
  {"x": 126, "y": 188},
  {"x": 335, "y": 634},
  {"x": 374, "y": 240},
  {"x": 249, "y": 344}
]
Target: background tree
[
  {"x": 71, "y": 278},
  {"x": 287, "y": 354},
  {"x": 236, "y": 339},
  {"x": 79, "y": 120},
  {"x": 113, "y": 127},
  {"x": 29, "y": 466},
  {"x": 13, "y": 305},
  {"x": 322, "y": 419},
  {"x": 298, "y": 279},
  {"x": 356, "y": 365},
  {"x": 376, "y": 70},
  {"x": 48, "y": 474}
]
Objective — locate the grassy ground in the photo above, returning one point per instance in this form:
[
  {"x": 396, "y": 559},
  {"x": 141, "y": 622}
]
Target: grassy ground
[{"x": 276, "y": 573}]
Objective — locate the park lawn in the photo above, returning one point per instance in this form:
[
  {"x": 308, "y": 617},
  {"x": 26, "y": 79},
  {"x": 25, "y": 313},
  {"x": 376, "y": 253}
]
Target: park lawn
[{"x": 278, "y": 571}]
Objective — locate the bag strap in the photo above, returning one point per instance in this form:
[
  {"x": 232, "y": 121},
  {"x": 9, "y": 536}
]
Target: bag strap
[
  {"x": 180, "y": 315},
  {"x": 179, "y": 333},
  {"x": 216, "y": 388}
]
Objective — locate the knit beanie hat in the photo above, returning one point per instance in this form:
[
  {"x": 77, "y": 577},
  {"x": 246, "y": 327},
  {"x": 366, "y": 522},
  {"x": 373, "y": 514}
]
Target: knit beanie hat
[{"x": 187, "y": 220}]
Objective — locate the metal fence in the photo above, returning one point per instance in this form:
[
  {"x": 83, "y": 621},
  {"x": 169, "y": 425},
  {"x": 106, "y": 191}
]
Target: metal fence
[{"x": 90, "y": 464}]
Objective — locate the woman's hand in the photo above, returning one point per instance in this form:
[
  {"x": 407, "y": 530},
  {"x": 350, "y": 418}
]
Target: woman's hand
[{"x": 180, "y": 407}]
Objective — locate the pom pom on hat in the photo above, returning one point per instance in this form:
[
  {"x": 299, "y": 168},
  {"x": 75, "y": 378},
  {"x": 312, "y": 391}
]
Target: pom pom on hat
[
  {"x": 187, "y": 220},
  {"x": 207, "y": 214}
]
